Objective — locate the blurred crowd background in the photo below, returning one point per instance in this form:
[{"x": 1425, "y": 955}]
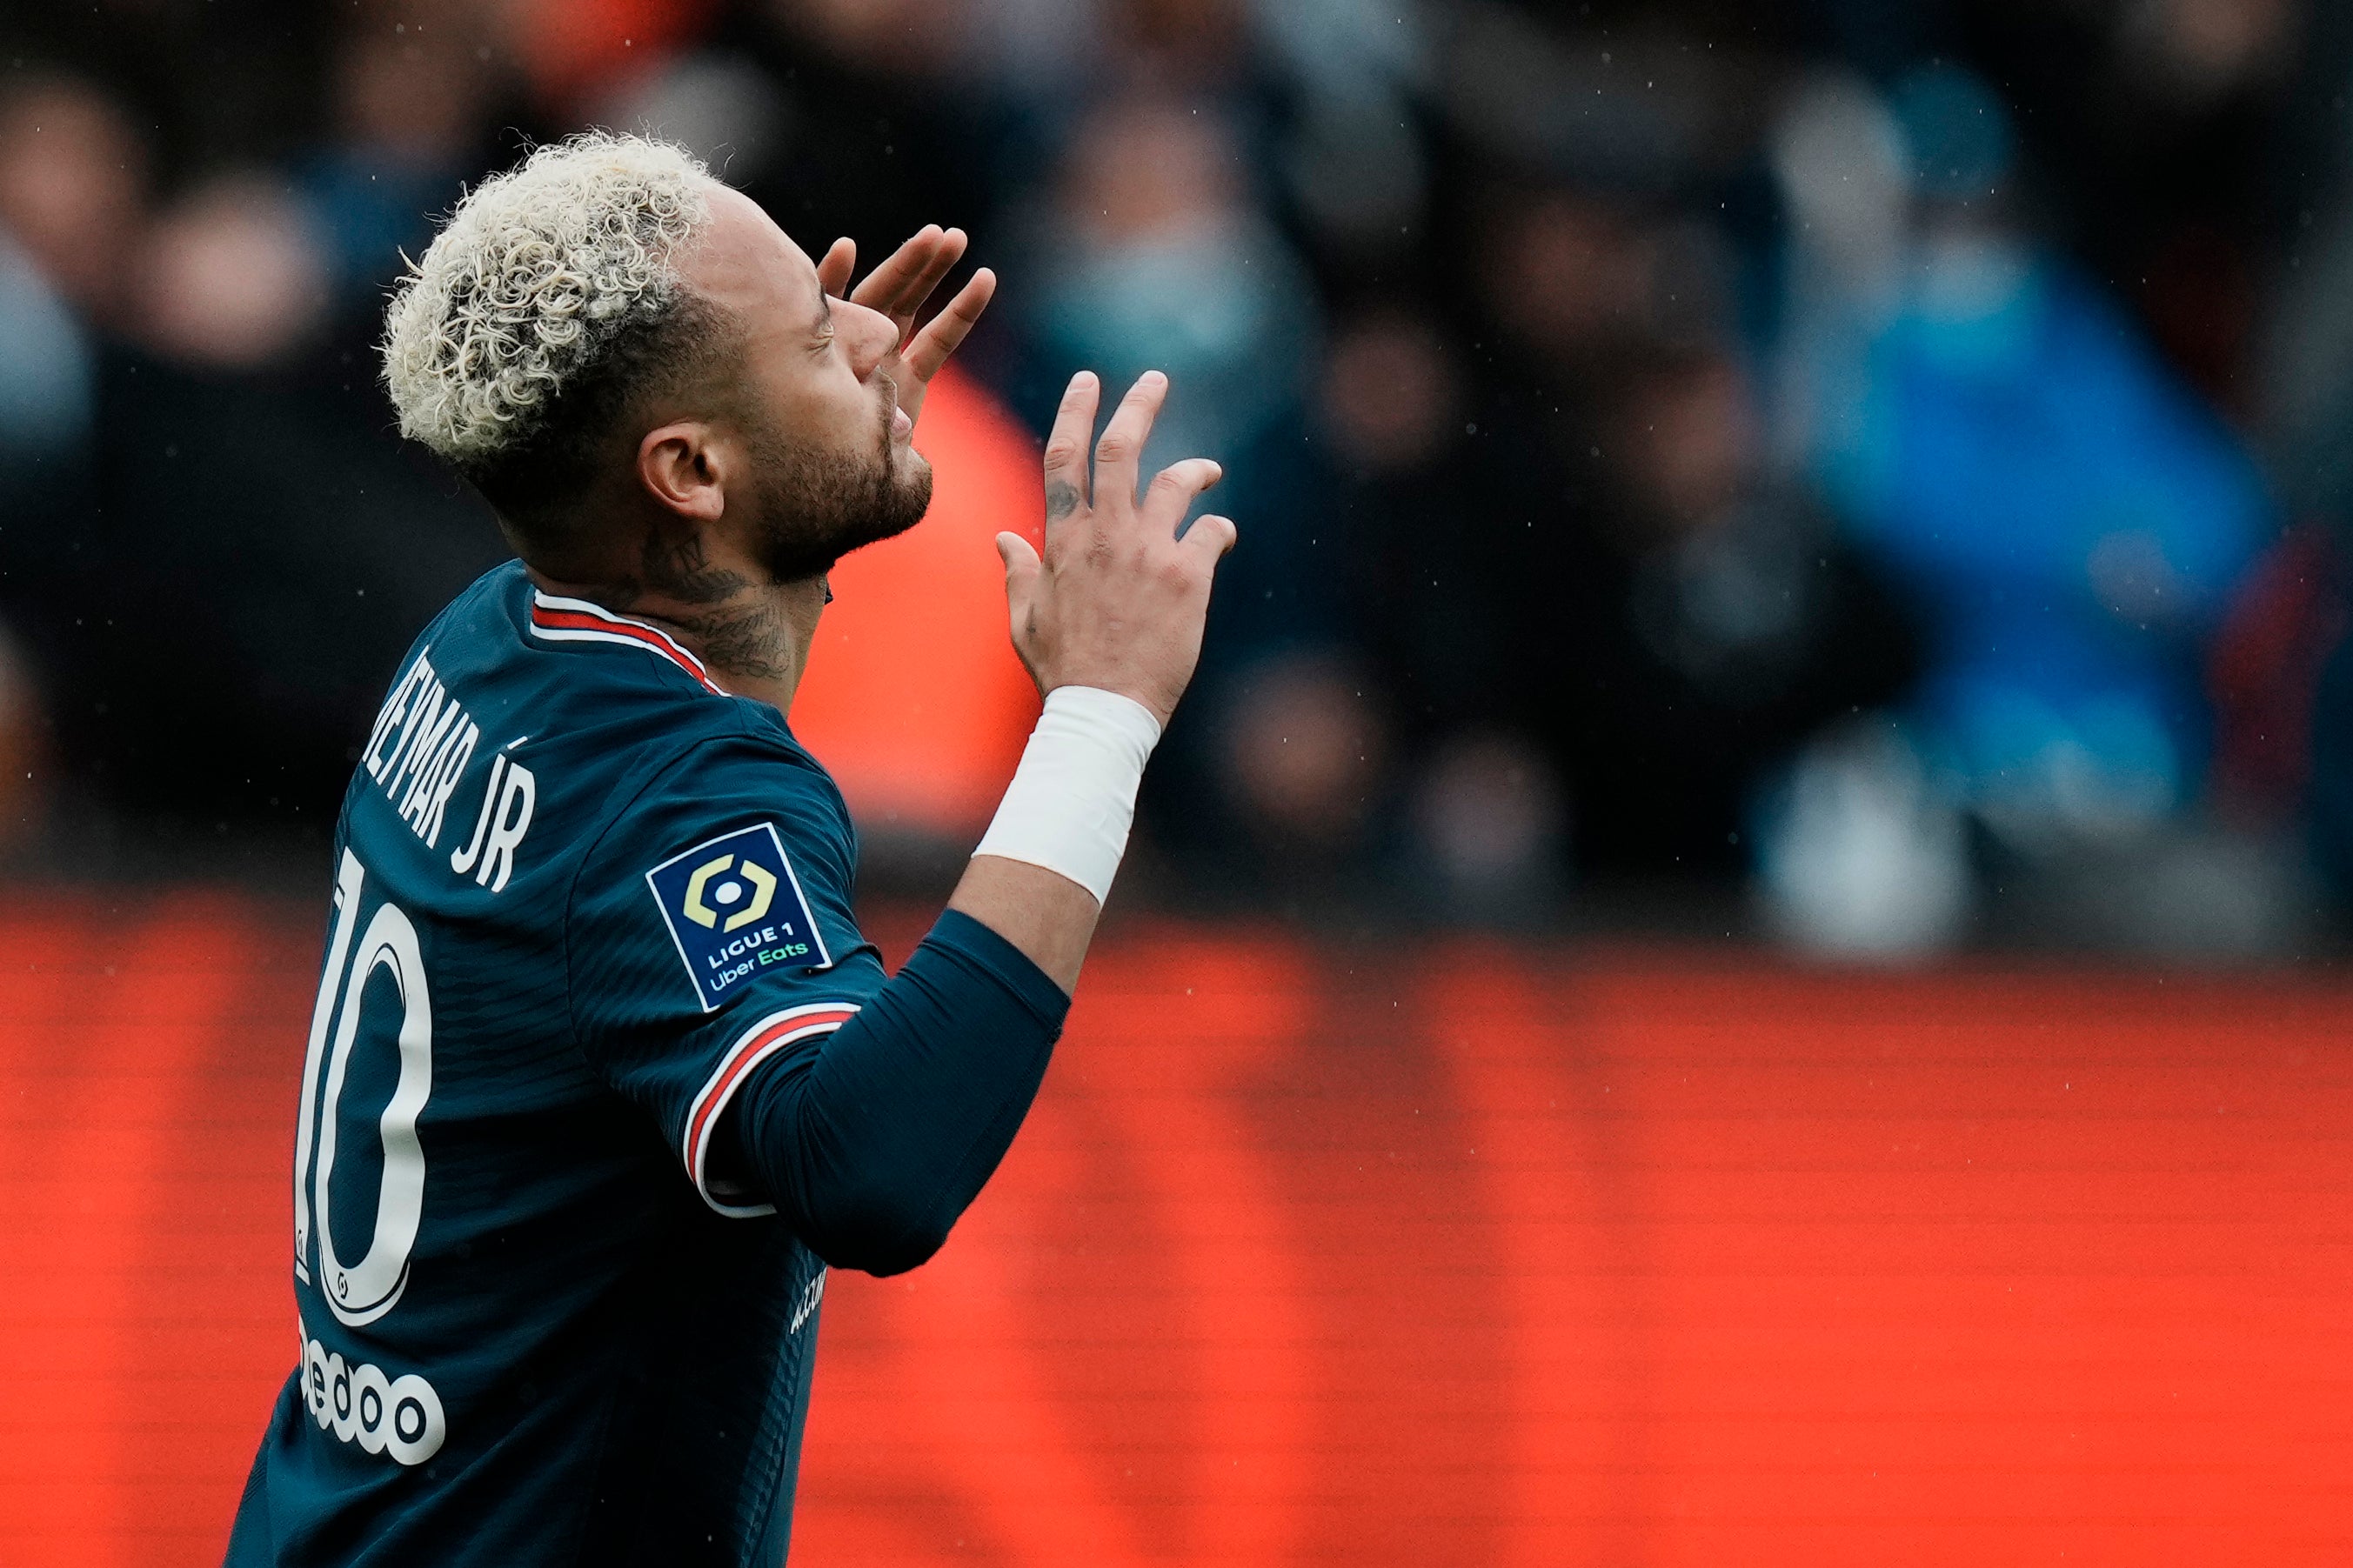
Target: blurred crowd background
[{"x": 1871, "y": 475}]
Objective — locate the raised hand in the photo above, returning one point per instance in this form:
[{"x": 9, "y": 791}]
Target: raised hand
[
  {"x": 899, "y": 288},
  {"x": 1117, "y": 601}
]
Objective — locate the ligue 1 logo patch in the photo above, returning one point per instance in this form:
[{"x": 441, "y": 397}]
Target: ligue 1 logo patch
[{"x": 736, "y": 909}]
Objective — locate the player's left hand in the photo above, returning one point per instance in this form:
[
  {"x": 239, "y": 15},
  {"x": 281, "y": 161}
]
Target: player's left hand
[{"x": 899, "y": 289}]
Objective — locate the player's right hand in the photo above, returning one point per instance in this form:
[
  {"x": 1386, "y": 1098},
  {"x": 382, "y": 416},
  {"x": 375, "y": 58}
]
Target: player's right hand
[{"x": 1117, "y": 601}]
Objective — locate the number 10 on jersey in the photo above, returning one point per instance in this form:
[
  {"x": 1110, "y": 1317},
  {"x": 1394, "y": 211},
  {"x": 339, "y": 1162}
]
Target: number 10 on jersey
[{"x": 360, "y": 1293}]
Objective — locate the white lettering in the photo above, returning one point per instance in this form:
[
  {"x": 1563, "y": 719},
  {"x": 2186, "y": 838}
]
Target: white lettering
[
  {"x": 435, "y": 751},
  {"x": 461, "y": 752},
  {"x": 806, "y": 1307},
  {"x": 428, "y": 691},
  {"x": 421, "y": 781},
  {"x": 517, "y": 799},
  {"x": 349, "y": 878},
  {"x": 436, "y": 738},
  {"x": 743, "y": 944},
  {"x": 397, "y": 1415},
  {"x": 429, "y": 719},
  {"x": 462, "y": 860},
  {"x": 395, "y": 706},
  {"x": 360, "y": 1293}
]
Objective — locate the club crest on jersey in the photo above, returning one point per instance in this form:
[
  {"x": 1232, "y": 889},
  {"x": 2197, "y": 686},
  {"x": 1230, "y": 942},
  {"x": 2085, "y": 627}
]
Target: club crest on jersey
[{"x": 736, "y": 909}]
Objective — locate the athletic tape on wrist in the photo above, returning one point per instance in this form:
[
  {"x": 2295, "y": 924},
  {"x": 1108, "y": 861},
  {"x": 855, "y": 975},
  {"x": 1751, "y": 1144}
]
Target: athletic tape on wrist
[{"x": 1073, "y": 797}]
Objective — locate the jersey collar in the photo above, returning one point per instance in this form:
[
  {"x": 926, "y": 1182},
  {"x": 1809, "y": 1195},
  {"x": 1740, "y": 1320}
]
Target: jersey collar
[{"x": 557, "y": 619}]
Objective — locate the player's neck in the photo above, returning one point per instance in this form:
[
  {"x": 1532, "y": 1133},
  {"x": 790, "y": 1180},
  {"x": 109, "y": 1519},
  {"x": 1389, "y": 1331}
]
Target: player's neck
[{"x": 754, "y": 638}]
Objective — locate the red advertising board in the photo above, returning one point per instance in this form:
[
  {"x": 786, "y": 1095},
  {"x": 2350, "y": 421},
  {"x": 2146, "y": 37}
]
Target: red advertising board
[{"x": 1500, "y": 1255}]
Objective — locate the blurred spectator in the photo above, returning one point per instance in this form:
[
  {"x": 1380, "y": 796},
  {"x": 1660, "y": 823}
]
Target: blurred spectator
[
  {"x": 1859, "y": 854},
  {"x": 267, "y": 552},
  {"x": 1423, "y": 569},
  {"x": 1535, "y": 591},
  {"x": 264, "y": 550},
  {"x": 875, "y": 132},
  {"x": 1301, "y": 760},
  {"x": 410, "y": 97},
  {"x": 234, "y": 276},
  {"x": 44, "y": 373},
  {"x": 1180, "y": 46},
  {"x": 73, "y": 177},
  {"x": 1153, "y": 258},
  {"x": 2068, "y": 518},
  {"x": 1725, "y": 624},
  {"x": 1670, "y": 617},
  {"x": 2068, "y": 515},
  {"x": 719, "y": 105},
  {"x": 899, "y": 38},
  {"x": 1390, "y": 403},
  {"x": 2156, "y": 124},
  {"x": 2285, "y": 669},
  {"x": 1491, "y": 830},
  {"x": 72, "y": 191},
  {"x": 1576, "y": 280},
  {"x": 1639, "y": 99},
  {"x": 2264, "y": 670},
  {"x": 1353, "y": 158}
]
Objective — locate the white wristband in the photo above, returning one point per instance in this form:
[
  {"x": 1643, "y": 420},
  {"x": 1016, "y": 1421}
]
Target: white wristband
[{"x": 1073, "y": 797}]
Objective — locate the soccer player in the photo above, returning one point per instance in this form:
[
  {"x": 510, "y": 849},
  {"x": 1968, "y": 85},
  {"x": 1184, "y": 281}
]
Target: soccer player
[{"x": 601, "y": 1077}]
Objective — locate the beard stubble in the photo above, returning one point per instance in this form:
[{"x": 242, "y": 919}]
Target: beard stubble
[{"x": 819, "y": 506}]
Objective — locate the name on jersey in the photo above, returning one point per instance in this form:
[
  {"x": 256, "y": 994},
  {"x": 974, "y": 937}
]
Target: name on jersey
[
  {"x": 736, "y": 909},
  {"x": 417, "y": 752},
  {"x": 419, "y": 748}
]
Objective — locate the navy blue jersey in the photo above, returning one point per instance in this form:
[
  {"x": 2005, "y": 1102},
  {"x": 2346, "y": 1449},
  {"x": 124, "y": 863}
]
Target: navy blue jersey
[{"x": 581, "y": 893}]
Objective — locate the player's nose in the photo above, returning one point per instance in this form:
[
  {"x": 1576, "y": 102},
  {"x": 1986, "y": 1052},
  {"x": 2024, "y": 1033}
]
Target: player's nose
[{"x": 866, "y": 335}]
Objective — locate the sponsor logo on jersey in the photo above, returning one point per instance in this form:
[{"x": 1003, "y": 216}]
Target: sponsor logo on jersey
[
  {"x": 357, "y": 1403},
  {"x": 736, "y": 909}
]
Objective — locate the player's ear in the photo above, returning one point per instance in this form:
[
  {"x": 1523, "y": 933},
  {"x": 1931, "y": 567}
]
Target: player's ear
[{"x": 682, "y": 468}]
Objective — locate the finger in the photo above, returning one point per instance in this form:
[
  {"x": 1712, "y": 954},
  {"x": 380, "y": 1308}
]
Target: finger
[
  {"x": 1066, "y": 449},
  {"x": 944, "y": 256},
  {"x": 881, "y": 288},
  {"x": 1174, "y": 489},
  {"x": 839, "y": 261},
  {"x": 1210, "y": 536},
  {"x": 1120, "y": 451},
  {"x": 1022, "y": 570},
  {"x": 947, "y": 332}
]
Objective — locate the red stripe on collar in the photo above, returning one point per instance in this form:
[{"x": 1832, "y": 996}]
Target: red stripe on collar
[{"x": 577, "y": 620}]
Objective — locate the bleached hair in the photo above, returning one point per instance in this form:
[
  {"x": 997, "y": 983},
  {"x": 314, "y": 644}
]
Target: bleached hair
[{"x": 534, "y": 276}]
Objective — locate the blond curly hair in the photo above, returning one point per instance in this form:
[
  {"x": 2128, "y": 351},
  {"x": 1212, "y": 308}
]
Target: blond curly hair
[{"x": 534, "y": 278}]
